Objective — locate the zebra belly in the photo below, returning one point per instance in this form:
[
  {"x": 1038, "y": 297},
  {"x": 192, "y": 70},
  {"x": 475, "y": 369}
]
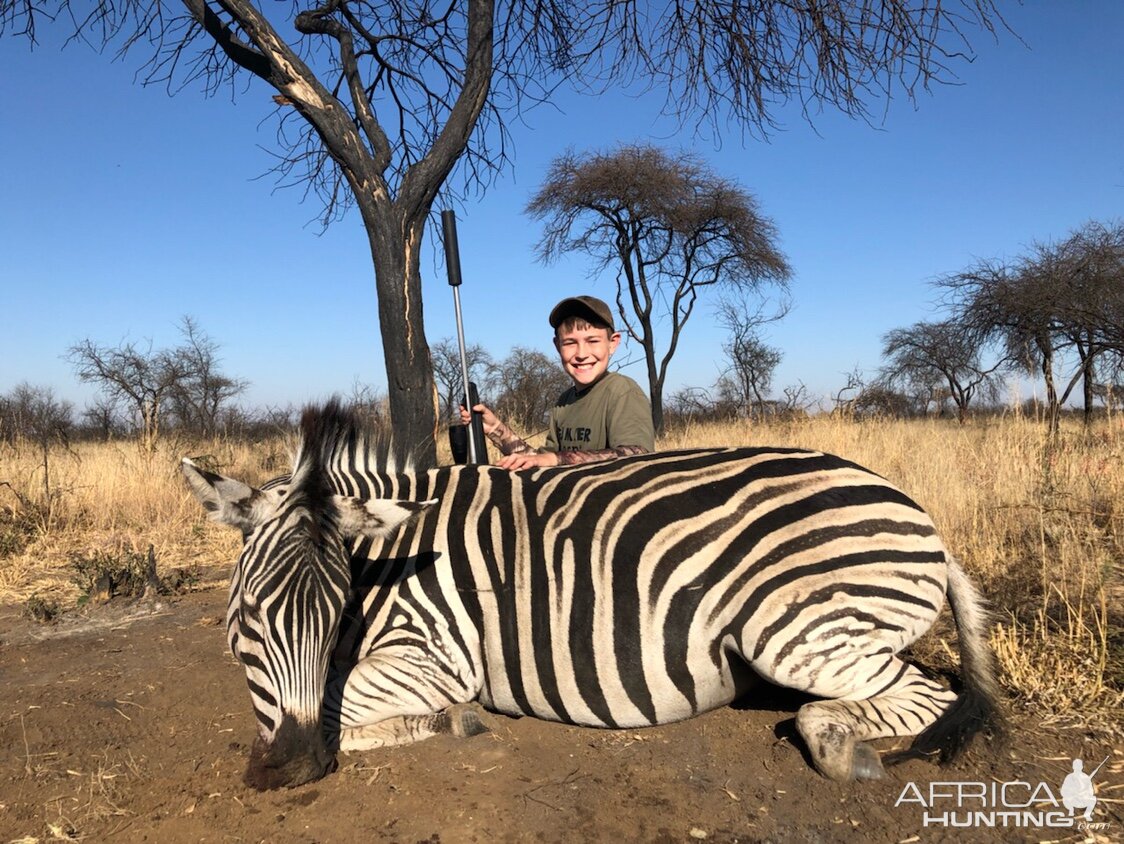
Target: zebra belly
[{"x": 587, "y": 701}]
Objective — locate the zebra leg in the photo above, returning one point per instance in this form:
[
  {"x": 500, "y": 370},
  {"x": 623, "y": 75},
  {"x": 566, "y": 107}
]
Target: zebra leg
[
  {"x": 898, "y": 701},
  {"x": 460, "y": 720},
  {"x": 398, "y": 695}
]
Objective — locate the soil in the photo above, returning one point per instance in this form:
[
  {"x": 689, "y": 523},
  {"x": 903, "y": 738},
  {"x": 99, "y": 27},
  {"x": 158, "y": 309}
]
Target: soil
[{"x": 133, "y": 723}]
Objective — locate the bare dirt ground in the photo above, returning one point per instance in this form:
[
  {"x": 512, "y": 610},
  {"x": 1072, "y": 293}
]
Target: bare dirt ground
[{"x": 131, "y": 726}]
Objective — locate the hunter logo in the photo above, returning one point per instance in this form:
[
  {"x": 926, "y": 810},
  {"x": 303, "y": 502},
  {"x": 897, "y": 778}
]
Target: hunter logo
[
  {"x": 574, "y": 435},
  {"x": 1017, "y": 804}
]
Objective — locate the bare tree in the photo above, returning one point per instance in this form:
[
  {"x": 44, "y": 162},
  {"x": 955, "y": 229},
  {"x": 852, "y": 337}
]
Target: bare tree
[
  {"x": 35, "y": 415},
  {"x": 881, "y": 398},
  {"x": 102, "y": 417},
  {"x": 929, "y": 353},
  {"x": 669, "y": 227},
  {"x": 844, "y": 401},
  {"x": 525, "y": 386},
  {"x": 378, "y": 101},
  {"x": 156, "y": 384},
  {"x": 447, "y": 372},
  {"x": 371, "y": 405},
  {"x": 795, "y": 401},
  {"x": 202, "y": 391},
  {"x": 689, "y": 404},
  {"x": 749, "y": 376},
  {"x": 134, "y": 375}
]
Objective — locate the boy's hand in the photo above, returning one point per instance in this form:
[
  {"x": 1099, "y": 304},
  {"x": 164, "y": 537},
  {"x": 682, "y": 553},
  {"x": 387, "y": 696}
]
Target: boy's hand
[
  {"x": 490, "y": 420},
  {"x": 528, "y": 461}
]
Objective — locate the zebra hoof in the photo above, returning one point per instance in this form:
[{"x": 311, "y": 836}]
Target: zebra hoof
[
  {"x": 866, "y": 764},
  {"x": 464, "y": 721}
]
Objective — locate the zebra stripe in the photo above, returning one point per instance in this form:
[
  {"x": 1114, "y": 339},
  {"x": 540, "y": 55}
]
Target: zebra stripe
[{"x": 618, "y": 594}]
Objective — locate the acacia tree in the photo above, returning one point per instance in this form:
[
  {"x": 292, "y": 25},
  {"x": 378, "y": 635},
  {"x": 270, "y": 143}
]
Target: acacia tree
[
  {"x": 1061, "y": 301},
  {"x": 669, "y": 227},
  {"x": 379, "y": 100},
  {"x": 930, "y": 353},
  {"x": 137, "y": 376},
  {"x": 184, "y": 381},
  {"x": 1091, "y": 313}
]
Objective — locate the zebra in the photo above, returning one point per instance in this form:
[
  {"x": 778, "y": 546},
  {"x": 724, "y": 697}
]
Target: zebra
[{"x": 372, "y": 607}]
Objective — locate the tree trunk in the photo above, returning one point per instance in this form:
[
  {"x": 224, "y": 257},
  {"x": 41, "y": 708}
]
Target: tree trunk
[
  {"x": 1087, "y": 387},
  {"x": 1088, "y": 379},
  {"x": 657, "y": 409},
  {"x": 655, "y": 383},
  {"x": 1053, "y": 406},
  {"x": 395, "y": 251}
]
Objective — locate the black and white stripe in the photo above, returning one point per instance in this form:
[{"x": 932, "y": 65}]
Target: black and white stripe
[{"x": 618, "y": 594}]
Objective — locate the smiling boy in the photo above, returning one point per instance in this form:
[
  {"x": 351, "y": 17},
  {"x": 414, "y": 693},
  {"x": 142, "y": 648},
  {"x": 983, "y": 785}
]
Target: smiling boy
[{"x": 604, "y": 414}]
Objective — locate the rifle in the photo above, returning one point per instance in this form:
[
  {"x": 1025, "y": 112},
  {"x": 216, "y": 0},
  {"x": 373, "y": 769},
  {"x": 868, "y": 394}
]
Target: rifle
[
  {"x": 1098, "y": 768},
  {"x": 467, "y": 442}
]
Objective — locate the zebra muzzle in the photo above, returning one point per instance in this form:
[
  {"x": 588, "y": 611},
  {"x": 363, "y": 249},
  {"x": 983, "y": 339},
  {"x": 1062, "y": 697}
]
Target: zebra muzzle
[{"x": 296, "y": 755}]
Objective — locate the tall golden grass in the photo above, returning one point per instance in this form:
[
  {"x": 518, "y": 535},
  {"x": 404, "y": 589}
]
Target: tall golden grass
[{"x": 1039, "y": 522}]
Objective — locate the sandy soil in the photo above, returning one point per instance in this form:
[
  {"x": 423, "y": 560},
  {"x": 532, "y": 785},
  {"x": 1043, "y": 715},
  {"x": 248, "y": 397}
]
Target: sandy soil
[{"x": 134, "y": 725}]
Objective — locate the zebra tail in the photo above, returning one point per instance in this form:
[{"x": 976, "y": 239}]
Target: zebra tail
[{"x": 977, "y": 706}]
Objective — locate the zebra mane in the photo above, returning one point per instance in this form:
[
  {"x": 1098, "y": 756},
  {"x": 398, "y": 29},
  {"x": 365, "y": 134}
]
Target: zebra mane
[{"x": 336, "y": 439}]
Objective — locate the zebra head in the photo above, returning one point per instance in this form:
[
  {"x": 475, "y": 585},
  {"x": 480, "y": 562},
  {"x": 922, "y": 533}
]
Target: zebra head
[{"x": 287, "y": 594}]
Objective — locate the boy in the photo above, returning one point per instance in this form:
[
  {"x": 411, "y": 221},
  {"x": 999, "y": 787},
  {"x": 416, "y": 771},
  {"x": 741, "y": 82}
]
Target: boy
[{"x": 603, "y": 416}]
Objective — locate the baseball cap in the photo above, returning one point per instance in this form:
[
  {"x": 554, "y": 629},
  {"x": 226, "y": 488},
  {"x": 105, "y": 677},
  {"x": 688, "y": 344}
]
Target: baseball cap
[{"x": 583, "y": 306}]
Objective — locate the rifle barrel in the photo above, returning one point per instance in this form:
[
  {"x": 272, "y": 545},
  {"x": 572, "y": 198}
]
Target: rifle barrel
[
  {"x": 476, "y": 450},
  {"x": 1098, "y": 768}
]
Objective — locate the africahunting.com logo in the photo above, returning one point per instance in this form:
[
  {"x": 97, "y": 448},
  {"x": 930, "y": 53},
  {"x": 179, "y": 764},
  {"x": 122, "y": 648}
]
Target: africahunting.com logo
[{"x": 1008, "y": 804}]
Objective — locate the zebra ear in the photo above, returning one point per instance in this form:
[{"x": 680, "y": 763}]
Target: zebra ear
[
  {"x": 228, "y": 501},
  {"x": 375, "y": 517}
]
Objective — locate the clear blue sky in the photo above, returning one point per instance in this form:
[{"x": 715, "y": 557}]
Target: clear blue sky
[{"x": 122, "y": 209}]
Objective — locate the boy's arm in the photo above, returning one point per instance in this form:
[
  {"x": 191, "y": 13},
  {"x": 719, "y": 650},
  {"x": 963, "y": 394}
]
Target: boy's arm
[
  {"x": 502, "y": 437},
  {"x": 507, "y": 441},
  {"x": 571, "y": 457}
]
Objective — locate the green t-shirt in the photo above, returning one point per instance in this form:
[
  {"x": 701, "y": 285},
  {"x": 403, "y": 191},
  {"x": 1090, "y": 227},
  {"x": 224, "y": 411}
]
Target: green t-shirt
[{"x": 612, "y": 412}]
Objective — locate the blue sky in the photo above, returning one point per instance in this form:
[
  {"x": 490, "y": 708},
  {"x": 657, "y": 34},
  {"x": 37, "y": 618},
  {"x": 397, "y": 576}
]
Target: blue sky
[{"x": 122, "y": 209}]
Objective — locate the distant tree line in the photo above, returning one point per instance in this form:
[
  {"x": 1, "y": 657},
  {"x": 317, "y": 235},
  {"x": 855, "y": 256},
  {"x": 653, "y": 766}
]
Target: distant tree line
[
  {"x": 143, "y": 392},
  {"x": 1055, "y": 313}
]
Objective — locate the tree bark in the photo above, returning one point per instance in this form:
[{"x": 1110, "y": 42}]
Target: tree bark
[{"x": 395, "y": 251}]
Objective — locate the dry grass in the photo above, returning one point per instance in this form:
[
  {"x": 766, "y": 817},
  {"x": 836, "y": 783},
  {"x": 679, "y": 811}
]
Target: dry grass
[
  {"x": 114, "y": 498},
  {"x": 1040, "y": 524}
]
